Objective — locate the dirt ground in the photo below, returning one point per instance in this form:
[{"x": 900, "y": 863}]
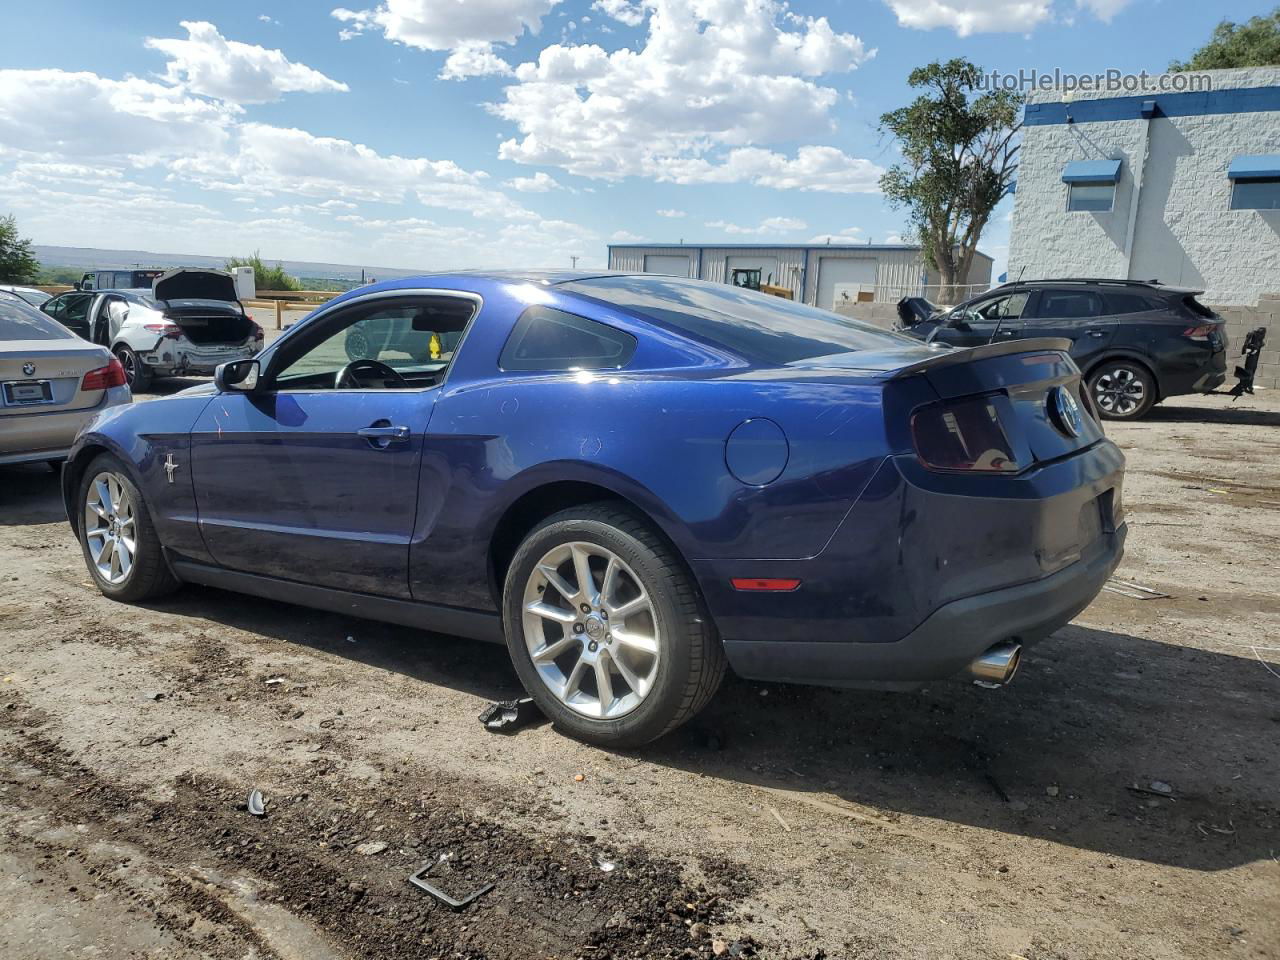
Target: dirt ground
[{"x": 1120, "y": 799}]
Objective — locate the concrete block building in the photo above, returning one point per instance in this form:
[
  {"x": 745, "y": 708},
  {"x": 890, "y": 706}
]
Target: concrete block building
[
  {"x": 831, "y": 276},
  {"x": 1179, "y": 182}
]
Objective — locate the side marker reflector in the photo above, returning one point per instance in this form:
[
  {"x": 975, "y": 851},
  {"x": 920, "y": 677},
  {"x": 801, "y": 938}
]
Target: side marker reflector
[{"x": 775, "y": 584}]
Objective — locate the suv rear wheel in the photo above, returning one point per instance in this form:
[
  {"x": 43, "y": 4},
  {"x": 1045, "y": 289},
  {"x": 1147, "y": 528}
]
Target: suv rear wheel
[
  {"x": 1122, "y": 390},
  {"x": 605, "y": 628}
]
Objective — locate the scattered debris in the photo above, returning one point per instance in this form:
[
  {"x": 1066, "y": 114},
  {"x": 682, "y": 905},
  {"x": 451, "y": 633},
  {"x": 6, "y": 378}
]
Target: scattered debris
[
  {"x": 1226, "y": 831},
  {"x": 508, "y": 716},
  {"x": 777, "y": 816},
  {"x": 1134, "y": 590},
  {"x": 274, "y": 680},
  {"x": 371, "y": 848},
  {"x": 579, "y": 778},
  {"x": 1154, "y": 790},
  {"x": 153, "y": 740},
  {"x": 255, "y": 804},
  {"x": 419, "y": 880},
  {"x": 1159, "y": 786},
  {"x": 155, "y": 695},
  {"x": 351, "y": 639},
  {"x": 1051, "y": 790},
  {"x": 608, "y": 866}
]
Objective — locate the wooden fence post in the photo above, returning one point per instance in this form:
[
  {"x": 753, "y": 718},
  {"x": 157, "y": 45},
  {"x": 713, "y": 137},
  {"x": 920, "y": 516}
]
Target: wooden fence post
[{"x": 279, "y": 316}]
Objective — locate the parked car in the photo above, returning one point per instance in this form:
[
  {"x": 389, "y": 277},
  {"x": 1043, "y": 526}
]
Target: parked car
[
  {"x": 630, "y": 480},
  {"x": 28, "y": 295},
  {"x": 51, "y": 384},
  {"x": 190, "y": 322},
  {"x": 119, "y": 279},
  {"x": 1137, "y": 342}
]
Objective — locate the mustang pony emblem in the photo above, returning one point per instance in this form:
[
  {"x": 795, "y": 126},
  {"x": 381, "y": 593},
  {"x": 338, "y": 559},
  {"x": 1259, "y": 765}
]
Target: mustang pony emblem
[{"x": 170, "y": 465}]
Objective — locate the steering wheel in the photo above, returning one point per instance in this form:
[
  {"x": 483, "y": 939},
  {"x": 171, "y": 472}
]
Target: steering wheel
[{"x": 347, "y": 376}]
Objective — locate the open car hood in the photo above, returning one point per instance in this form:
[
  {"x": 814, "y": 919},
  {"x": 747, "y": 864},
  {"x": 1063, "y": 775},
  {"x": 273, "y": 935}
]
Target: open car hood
[{"x": 190, "y": 284}]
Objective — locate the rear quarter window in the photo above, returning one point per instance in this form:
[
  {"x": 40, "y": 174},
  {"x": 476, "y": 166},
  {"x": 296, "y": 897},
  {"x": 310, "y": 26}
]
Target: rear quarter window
[
  {"x": 754, "y": 325},
  {"x": 1122, "y": 303},
  {"x": 548, "y": 339}
]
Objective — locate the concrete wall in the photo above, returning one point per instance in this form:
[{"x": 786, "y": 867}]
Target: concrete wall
[
  {"x": 1174, "y": 189},
  {"x": 1242, "y": 319}
]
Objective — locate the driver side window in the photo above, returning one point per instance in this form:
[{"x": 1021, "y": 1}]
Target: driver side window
[
  {"x": 1004, "y": 308},
  {"x": 385, "y": 344}
]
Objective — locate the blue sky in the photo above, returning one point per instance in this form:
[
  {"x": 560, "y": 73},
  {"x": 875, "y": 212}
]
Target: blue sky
[{"x": 449, "y": 133}]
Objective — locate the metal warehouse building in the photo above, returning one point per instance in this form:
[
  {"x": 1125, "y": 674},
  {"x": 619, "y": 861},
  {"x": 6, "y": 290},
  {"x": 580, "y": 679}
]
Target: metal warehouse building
[
  {"x": 1181, "y": 186},
  {"x": 824, "y": 275}
]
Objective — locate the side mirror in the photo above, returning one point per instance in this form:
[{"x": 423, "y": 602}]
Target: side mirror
[{"x": 238, "y": 376}]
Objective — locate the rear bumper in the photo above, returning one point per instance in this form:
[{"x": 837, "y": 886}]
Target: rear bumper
[
  {"x": 1190, "y": 370},
  {"x": 925, "y": 572},
  {"x": 176, "y": 358},
  {"x": 31, "y": 437},
  {"x": 945, "y": 643}
]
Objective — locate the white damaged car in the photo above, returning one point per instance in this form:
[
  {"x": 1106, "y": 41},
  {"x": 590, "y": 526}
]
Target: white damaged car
[{"x": 186, "y": 325}]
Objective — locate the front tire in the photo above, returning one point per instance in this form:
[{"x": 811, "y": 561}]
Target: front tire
[
  {"x": 606, "y": 630},
  {"x": 136, "y": 373},
  {"x": 1122, "y": 390},
  {"x": 120, "y": 545}
]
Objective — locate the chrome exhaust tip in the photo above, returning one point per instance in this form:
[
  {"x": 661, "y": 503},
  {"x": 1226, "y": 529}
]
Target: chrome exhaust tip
[{"x": 997, "y": 666}]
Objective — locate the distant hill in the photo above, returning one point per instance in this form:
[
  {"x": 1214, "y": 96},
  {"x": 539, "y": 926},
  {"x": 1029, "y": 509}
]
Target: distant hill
[{"x": 89, "y": 258}]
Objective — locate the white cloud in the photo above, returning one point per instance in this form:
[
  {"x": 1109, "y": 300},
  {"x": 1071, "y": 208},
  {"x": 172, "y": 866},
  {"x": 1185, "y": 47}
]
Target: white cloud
[
  {"x": 847, "y": 235},
  {"x": 267, "y": 18},
  {"x": 625, "y": 236},
  {"x": 966, "y": 17},
  {"x": 538, "y": 183},
  {"x": 673, "y": 214},
  {"x": 624, "y": 11},
  {"x": 209, "y": 64},
  {"x": 1104, "y": 10},
  {"x": 713, "y": 75},
  {"x": 474, "y": 58},
  {"x": 447, "y": 24},
  {"x": 768, "y": 225}
]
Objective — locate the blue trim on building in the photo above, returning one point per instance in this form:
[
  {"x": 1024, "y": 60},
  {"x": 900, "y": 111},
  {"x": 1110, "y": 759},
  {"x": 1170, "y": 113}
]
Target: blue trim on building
[
  {"x": 1257, "y": 167},
  {"x": 1239, "y": 100},
  {"x": 1091, "y": 171}
]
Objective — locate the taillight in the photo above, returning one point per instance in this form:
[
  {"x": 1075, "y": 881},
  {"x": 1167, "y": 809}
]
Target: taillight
[
  {"x": 112, "y": 375},
  {"x": 164, "y": 329},
  {"x": 963, "y": 435},
  {"x": 1202, "y": 331}
]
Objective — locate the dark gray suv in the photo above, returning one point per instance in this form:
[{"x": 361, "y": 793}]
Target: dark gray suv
[{"x": 1137, "y": 342}]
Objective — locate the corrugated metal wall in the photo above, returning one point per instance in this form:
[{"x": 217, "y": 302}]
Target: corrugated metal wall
[{"x": 899, "y": 273}]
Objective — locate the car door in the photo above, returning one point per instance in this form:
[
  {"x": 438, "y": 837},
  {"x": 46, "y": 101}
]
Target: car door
[
  {"x": 72, "y": 311},
  {"x": 983, "y": 321},
  {"x": 1077, "y": 315},
  {"x": 314, "y": 476}
]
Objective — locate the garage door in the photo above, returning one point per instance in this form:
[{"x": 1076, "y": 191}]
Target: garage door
[
  {"x": 675, "y": 266},
  {"x": 840, "y": 278}
]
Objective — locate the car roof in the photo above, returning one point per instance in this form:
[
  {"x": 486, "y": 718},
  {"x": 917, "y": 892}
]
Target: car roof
[{"x": 1155, "y": 285}]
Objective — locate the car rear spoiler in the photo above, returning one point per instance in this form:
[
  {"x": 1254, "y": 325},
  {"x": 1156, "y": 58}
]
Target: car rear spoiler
[{"x": 951, "y": 358}]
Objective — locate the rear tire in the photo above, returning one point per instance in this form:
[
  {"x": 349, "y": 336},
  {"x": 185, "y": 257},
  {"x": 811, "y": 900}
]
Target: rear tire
[
  {"x": 618, "y": 682},
  {"x": 119, "y": 543},
  {"x": 136, "y": 373},
  {"x": 1122, "y": 390}
]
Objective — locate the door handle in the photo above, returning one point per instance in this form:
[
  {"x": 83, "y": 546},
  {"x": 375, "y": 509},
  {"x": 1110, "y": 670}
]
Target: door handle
[
  {"x": 1097, "y": 333},
  {"x": 381, "y": 434}
]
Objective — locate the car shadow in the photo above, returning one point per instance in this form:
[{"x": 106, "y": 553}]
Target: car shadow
[
  {"x": 1051, "y": 757},
  {"x": 30, "y": 493},
  {"x": 1228, "y": 413}
]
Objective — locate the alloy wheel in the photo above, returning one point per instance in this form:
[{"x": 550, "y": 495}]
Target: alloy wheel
[
  {"x": 1119, "y": 391},
  {"x": 130, "y": 364},
  {"x": 109, "y": 528},
  {"x": 591, "y": 630}
]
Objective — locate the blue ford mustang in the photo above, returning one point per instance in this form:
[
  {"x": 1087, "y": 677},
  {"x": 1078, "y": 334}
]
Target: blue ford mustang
[{"x": 633, "y": 481}]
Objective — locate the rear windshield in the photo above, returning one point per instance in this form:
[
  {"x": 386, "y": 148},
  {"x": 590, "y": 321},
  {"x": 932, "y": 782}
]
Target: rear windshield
[
  {"x": 1198, "y": 308},
  {"x": 21, "y": 322},
  {"x": 754, "y": 325}
]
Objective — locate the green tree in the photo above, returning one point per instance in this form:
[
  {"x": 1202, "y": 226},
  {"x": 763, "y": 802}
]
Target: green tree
[
  {"x": 959, "y": 156},
  {"x": 17, "y": 263},
  {"x": 1252, "y": 44},
  {"x": 265, "y": 277}
]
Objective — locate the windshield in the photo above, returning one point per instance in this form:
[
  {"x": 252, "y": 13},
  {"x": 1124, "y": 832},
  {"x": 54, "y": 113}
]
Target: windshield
[
  {"x": 755, "y": 325},
  {"x": 18, "y": 321}
]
